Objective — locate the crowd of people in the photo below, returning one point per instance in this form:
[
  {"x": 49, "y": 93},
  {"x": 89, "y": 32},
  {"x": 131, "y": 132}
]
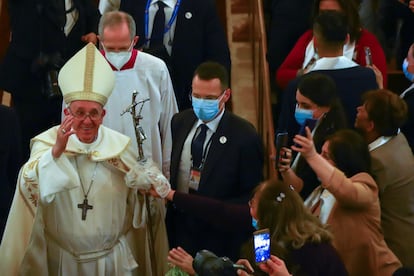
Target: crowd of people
[{"x": 123, "y": 158}]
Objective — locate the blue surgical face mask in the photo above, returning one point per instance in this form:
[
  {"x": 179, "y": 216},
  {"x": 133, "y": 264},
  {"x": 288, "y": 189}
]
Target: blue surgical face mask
[
  {"x": 408, "y": 75},
  {"x": 254, "y": 224},
  {"x": 301, "y": 115},
  {"x": 206, "y": 109}
]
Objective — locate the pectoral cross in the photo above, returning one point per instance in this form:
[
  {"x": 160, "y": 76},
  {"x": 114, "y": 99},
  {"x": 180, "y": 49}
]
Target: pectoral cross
[{"x": 85, "y": 207}]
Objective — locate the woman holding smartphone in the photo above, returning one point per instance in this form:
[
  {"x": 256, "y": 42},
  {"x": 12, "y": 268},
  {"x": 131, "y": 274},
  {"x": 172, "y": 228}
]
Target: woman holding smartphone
[
  {"x": 296, "y": 236},
  {"x": 317, "y": 101},
  {"x": 347, "y": 201}
]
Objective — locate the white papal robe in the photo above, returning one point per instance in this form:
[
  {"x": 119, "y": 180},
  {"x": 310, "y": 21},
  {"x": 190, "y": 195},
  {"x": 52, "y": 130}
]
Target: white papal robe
[
  {"x": 148, "y": 76},
  {"x": 45, "y": 233}
]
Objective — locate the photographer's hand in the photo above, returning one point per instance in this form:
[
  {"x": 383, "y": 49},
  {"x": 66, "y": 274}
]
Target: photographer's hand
[
  {"x": 247, "y": 265},
  {"x": 180, "y": 257}
]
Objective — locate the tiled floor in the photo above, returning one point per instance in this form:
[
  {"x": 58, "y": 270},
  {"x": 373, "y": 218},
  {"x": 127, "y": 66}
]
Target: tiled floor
[{"x": 244, "y": 103}]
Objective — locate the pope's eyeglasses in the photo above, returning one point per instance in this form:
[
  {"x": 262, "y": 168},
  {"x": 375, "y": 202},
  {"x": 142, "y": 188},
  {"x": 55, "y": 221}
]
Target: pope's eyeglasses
[{"x": 81, "y": 115}]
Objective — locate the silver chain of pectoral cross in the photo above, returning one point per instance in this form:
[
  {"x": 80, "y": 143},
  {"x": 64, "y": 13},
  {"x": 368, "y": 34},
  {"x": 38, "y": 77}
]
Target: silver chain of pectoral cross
[{"x": 85, "y": 206}]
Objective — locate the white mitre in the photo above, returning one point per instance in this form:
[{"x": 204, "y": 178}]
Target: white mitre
[{"x": 86, "y": 76}]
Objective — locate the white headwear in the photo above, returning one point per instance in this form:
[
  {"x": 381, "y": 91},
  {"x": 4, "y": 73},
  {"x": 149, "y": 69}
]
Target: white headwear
[{"x": 86, "y": 76}]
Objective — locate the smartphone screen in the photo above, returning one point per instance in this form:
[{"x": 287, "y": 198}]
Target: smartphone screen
[
  {"x": 368, "y": 56},
  {"x": 281, "y": 141},
  {"x": 261, "y": 240}
]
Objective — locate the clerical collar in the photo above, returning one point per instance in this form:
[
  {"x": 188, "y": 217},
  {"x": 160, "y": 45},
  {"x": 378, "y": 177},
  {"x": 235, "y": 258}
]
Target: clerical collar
[{"x": 170, "y": 22}]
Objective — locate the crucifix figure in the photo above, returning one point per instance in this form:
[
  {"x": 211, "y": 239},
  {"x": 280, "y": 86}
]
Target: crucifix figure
[{"x": 85, "y": 207}]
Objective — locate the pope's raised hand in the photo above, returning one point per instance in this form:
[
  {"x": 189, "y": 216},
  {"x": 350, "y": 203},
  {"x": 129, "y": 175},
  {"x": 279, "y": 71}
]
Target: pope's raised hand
[{"x": 62, "y": 137}]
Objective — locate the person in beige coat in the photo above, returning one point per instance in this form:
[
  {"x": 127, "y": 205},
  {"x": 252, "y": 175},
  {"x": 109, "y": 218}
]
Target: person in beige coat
[
  {"x": 379, "y": 118},
  {"x": 347, "y": 200}
]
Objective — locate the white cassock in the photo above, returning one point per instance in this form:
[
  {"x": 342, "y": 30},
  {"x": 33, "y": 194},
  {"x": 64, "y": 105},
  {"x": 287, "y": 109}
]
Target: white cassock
[
  {"x": 45, "y": 233},
  {"x": 148, "y": 76}
]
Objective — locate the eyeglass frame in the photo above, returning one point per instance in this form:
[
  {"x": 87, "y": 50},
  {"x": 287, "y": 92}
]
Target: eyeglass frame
[
  {"x": 86, "y": 114},
  {"x": 190, "y": 96}
]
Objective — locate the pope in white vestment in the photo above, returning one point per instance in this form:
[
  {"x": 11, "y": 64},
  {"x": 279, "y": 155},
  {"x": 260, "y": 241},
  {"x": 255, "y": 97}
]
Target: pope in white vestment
[
  {"x": 148, "y": 76},
  {"x": 77, "y": 209}
]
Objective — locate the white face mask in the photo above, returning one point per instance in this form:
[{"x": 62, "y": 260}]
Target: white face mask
[{"x": 118, "y": 59}]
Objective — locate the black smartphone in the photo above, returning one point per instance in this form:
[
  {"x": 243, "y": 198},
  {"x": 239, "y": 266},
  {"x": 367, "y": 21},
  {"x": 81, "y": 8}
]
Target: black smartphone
[
  {"x": 310, "y": 123},
  {"x": 281, "y": 141},
  {"x": 368, "y": 56},
  {"x": 261, "y": 239}
]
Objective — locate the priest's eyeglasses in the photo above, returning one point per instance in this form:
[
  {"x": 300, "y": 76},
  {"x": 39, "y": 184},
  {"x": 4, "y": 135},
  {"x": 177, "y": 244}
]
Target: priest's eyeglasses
[{"x": 81, "y": 115}]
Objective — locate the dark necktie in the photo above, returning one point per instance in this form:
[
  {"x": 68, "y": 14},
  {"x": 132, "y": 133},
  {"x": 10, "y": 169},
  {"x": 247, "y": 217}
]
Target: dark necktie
[
  {"x": 198, "y": 144},
  {"x": 158, "y": 27}
]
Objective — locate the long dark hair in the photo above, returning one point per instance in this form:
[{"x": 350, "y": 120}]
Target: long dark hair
[{"x": 321, "y": 90}]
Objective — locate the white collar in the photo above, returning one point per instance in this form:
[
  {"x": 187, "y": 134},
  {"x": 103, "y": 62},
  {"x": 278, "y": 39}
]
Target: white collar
[
  {"x": 333, "y": 63},
  {"x": 348, "y": 51},
  {"x": 406, "y": 90},
  {"x": 169, "y": 3},
  {"x": 379, "y": 142}
]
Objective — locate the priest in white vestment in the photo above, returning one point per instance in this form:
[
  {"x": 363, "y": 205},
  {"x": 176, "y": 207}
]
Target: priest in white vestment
[
  {"x": 149, "y": 77},
  {"x": 77, "y": 209}
]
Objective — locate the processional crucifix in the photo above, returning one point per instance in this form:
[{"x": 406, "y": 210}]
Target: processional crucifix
[{"x": 141, "y": 137}]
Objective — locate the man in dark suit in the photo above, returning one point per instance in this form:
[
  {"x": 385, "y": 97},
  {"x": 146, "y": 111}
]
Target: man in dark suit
[
  {"x": 227, "y": 166},
  {"x": 195, "y": 35},
  {"x": 10, "y": 160},
  {"x": 45, "y": 33}
]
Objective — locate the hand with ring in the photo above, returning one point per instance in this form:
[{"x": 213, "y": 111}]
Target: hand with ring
[{"x": 63, "y": 133}]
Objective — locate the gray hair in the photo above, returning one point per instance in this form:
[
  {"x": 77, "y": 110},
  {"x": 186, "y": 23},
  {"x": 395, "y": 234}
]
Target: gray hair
[{"x": 115, "y": 18}]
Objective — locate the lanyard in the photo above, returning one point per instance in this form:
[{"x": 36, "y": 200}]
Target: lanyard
[{"x": 169, "y": 24}]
